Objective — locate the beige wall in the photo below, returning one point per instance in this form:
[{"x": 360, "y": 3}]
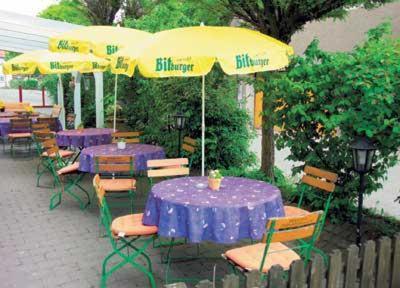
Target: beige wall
[{"x": 337, "y": 35}]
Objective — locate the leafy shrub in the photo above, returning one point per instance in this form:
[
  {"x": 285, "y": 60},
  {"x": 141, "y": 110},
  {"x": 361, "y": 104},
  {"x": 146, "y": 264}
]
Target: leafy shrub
[
  {"x": 29, "y": 83},
  {"x": 327, "y": 99}
]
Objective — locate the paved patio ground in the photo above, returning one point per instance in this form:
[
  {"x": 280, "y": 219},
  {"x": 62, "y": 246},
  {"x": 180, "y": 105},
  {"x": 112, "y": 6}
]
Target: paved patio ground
[{"x": 62, "y": 248}]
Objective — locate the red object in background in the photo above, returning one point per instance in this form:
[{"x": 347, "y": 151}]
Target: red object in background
[
  {"x": 43, "y": 97},
  {"x": 20, "y": 93}
]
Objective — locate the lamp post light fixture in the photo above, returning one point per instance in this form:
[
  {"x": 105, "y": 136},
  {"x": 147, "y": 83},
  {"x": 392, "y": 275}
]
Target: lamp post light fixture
[
  {"x": 179, "y": 124},
  {"x": 363, "y": 154}
]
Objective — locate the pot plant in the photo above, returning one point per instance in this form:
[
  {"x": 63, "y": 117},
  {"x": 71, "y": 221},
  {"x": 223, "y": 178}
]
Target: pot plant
[
  {"x": 214, "y": 179},
  {"x": 80, "y": 128},
  {"x": 121, "y": 143}
]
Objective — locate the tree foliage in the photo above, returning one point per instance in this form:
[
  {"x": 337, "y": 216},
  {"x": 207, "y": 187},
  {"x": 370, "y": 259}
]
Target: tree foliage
[
  {"x": 67, "y": 10},
  {"x": 281, "y": 19},
  {"x": 326, "y": 99}
]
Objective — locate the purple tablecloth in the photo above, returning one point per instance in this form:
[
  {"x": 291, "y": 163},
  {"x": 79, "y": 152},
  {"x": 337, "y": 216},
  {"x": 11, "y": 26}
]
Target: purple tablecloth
[
  {"x": 84, "y": 138},
  {"x": 140, "y": 152},
  {"x": 239, "y": 210},
  {"x": 5, "y": 125}
]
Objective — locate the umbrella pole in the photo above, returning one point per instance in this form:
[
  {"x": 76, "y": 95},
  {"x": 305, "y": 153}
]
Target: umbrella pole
[
  {"x": 203, "y": 123},
  {"x": 115, "y": 101}
]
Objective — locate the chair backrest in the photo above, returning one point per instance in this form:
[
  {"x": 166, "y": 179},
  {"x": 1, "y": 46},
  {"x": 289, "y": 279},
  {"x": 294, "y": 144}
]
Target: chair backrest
[
  {"x": 167, "y": 167},
  {"x": 51, "y": 147},
  {"x": 56, "y": 111},
  {"x": 16, "y": 106},
  {"x": 40, "y": 127},
  {"x": 189, "y": 145},
  {"x": 51, "y": 121},
  {"x": 20, "y": 124},
  {"x": 285, "y": 229},
  {"x": 42, "y": 135},
  {"x": 100, "y": 192},
  {"x": 114, "y": 164},
  {"x": 318, "y": 178},
  {"x": 130, "y": 137}
]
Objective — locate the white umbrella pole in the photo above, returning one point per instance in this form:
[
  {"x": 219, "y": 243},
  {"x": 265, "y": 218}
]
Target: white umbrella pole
[
  {"x": 203, "y": 123},
  {"x": 115, "y": 101}
]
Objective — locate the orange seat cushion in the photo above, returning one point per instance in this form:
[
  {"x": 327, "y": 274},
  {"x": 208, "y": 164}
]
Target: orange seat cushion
[
  {"x": 131, "y": 225},
  {"x": 69, "y": 169},
  {"x": 19, "y": 135},
  {"x": 291, "y": 211},
  {"x": 63, "y": 153},
  {"x": 117, "y": 185},
  {"x": 249, "y": 257}
]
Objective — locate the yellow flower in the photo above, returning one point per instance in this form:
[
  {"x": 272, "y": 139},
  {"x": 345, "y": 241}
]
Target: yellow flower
[
  {"x": 2, "y": 104},
  {"x": 29, "y": 109}
]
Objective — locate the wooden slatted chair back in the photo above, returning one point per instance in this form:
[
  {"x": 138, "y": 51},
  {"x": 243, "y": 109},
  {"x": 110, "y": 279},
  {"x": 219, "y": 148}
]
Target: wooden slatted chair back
[
  {"x": 40, "y": 127},
  {"x": 287, "y": 229},
  {"x": 51, "y": 121},
  {"x": 114, "y": 164},
  {"x": 167, "y": 167},
  {"x": 42, "y": 135},
  {"x": 319, "y": 178},
  {"x": 51, "y": 147},
  {"x": 56, "y": 111},
  {"x": 100, "y": 192},
  {"x": 20, "y": 124},
  {"x": 189, "y": 145},
  {"x": 129, "y": 137}
]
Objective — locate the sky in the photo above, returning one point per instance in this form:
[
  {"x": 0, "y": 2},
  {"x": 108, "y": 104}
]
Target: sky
[{"x": 26, "y": 7}]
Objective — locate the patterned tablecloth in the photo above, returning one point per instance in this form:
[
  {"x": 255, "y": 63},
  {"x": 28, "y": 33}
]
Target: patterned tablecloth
[
  {"x": 239, "y": 210},
  {"x": 140, "y": 152},
  {"x": 5, "y": 125},
  {"x": 84, "y": 138}
]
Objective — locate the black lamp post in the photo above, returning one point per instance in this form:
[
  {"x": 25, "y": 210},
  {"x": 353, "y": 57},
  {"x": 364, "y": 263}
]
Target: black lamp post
[
  {"x": 179, "y": 124},
  {"x": 363, "y": 154}
]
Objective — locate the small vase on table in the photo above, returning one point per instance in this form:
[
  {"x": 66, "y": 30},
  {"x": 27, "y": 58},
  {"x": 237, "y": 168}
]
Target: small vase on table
[{"x": 214, "y": 180}]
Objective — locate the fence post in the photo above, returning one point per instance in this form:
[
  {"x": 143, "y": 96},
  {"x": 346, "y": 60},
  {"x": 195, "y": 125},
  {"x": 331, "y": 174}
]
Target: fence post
[
  {"x": 335, "y": 269},
  {"x": 276, "y": 277},
  {"x": 352, "y": 266},
  {"x": 253, "y": 279},
  {"x": 20, "y": 93},
  {"x": 230, "y": 281},
  {"x": 317, "y": 273},
  {"x": 396, "y": 262},
  {"x": 368, "y": 265},
  {"x": 297, "y": 276}
]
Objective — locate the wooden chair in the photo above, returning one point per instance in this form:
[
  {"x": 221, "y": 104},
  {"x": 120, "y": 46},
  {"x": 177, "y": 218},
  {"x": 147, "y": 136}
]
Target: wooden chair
[
  {"x": 52, "y": 122},
  {"x": 320, "y": 180},
  {"x": 20, "y": 131},
  {"x": 44, "y": 127},
  {"x": 130, "y": 137},
  {"x": 117, "y": 175},
  {"x": 56, "y": 111},
  {"x": 66, "y": 176},
  {"x": 123, "y": 232},
  {"x": 189, "y": 147},
  {"x": 271, "y": 251}
]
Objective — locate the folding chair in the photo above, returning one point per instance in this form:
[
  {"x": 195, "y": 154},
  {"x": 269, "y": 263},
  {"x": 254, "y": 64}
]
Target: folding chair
[
  {"x": 51, "y": 121},
  {"x": 20, "y": 132},
  {"x": 56, "y": 111},
  {"x": 44, "y": 127},
  {"x": 271, "y": 251},
  {"x": 189, "y": 147},
  {"x": 129, "y": 137},
  {"x": 124, "y": 232},
  {"x": 116, "y": 175},
  {"x": 319, "y": 179},
  {"x": 63, "y": 172}
]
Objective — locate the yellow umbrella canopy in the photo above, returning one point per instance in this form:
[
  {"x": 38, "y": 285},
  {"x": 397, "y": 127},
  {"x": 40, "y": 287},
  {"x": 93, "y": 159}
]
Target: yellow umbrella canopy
[
  {"x": 47, "y": 62},
  {"x": 192, "y": 51},
  {"x": 100, "y": 40}
]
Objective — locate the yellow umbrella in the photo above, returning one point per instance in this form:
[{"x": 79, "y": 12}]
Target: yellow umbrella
[
  {"x": 192, "y": 51},
  {"x": 47, "y": 62},
  {"x": 102, "y": 41}
]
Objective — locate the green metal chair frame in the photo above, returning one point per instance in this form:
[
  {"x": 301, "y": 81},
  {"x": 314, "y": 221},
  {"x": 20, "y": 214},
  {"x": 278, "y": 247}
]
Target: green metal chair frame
[
  {"x": 117, "y": 167},
  {"x": 38, "y": 138},
  {"x": 71, "y": 180},
  {"x": 288, "y": 229},
  {"x": 322, "y": 180},
  {"x": 120, "y": 242}
]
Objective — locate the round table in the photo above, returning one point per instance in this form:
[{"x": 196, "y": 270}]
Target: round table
[
  {"x": 239, "y": 210},
  {"x": 7, "y": 114},
  {"x": 140, "y": 152},
  {"x": 5, "y": 126},
  {"x": 82, "y": 138}
]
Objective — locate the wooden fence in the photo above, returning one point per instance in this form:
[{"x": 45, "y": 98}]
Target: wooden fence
[{"x": 375, "y": 265}]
